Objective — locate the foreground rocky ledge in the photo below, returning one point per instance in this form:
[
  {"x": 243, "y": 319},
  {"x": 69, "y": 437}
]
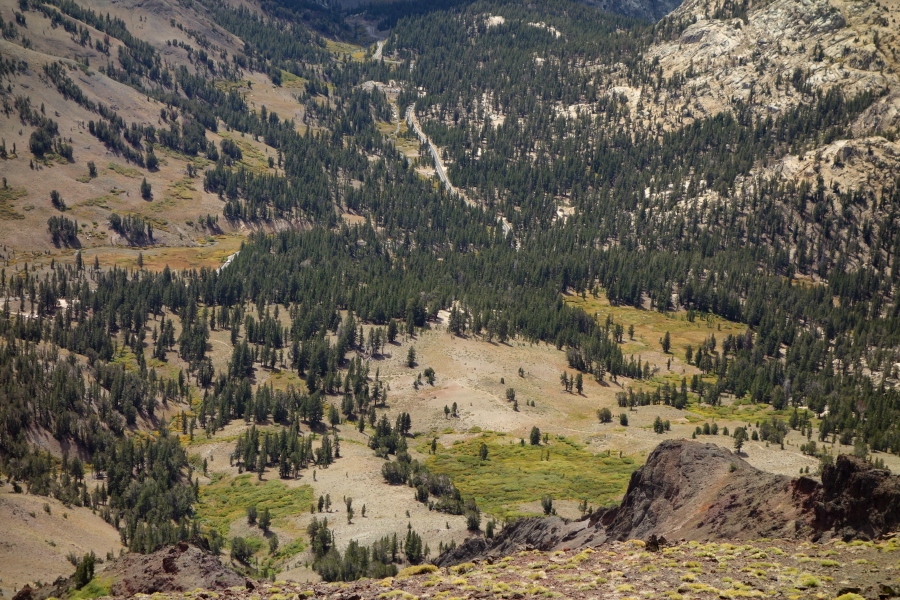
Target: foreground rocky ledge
[{"x": 623, "y": 570}]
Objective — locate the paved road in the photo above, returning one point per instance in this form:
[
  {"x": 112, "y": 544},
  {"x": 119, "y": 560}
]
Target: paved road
[
  {"x": 439, "y": 167},
  {"x": 438, "y": 163},
  {"x": 374, "y": 33},
  {"x": 227, "y": 262}
]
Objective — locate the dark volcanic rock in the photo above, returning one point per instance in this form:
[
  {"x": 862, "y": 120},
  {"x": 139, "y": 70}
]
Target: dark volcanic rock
[
  {"x": 24, "y": 593},
  {"x": 534, "y": 533},
  {"x": 856, "y": 500},
  {"x": 537, "y": 532}
]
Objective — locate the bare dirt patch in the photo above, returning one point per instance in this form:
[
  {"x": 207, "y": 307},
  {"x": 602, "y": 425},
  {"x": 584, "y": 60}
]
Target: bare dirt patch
[{"x": 35, "y": 543}]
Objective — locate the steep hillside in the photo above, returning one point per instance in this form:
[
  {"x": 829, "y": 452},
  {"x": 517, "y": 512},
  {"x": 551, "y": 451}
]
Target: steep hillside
[
  {"x": 773, "y": 55},
  {"x": 40, "y": 534},
  {"x": 74, "y": 93},
  {"x": 702, "y": 133}
]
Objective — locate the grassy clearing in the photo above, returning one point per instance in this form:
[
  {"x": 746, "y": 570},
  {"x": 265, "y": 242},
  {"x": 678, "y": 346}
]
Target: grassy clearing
[
  {"x": 225, "y": 501},
  {"x": 289, "y": 80},
  {"x": 199, "y": 162},
  {"x": 281, "y": 379},
  {"x": 253, "y": 157},
  {"x": 7, "y": 197},
  {"x": 202, "y": 440},
  {"x": 355, "y": 52},
  {"x": 99, "y": 201},
  {"x": 740, "y": 410},
  {"x": 514, "y": 474},
  {"x": 183, "y": 189},
  {"x": 650, "y": 325},
  {"x": 180, "y": 191},
  {"x": 292, "y": 549},
  {"x": 226, "y": 85},
  {"x": 156, "y": 259}
]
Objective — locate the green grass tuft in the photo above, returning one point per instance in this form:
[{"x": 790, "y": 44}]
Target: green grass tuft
[
  {"x": 95, "y": 588},
  {"x": 417, "y": 570},
  {"x": 7, "y": 197},
  {"x": 292, "y": 549},
  {"x": 129, "y": 172}
]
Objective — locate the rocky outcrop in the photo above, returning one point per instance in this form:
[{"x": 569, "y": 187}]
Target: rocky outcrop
[
  {"x": 693, "y": 491},
  {"x": 702, "y": 491},
  {"x": 177, "y": 568},
  {"x": 856, "y": 501},
  {"x": 534, "y": 533},
  {"x": 772, "y": 56}
]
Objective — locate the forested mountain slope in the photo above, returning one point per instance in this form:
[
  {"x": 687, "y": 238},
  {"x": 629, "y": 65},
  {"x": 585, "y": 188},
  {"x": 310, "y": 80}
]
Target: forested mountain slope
[
  {"x": 589, "y": 141},
  {"x": 733, "y": 161},
  {"x": 389, "y": 11}
]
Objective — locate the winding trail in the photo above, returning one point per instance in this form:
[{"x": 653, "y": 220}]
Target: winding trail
[{"x": 441, "y": 170}]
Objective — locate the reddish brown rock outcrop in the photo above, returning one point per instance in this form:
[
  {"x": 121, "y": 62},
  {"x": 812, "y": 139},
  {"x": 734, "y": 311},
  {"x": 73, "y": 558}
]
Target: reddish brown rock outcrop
[{"x": 177, "y": 568}]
